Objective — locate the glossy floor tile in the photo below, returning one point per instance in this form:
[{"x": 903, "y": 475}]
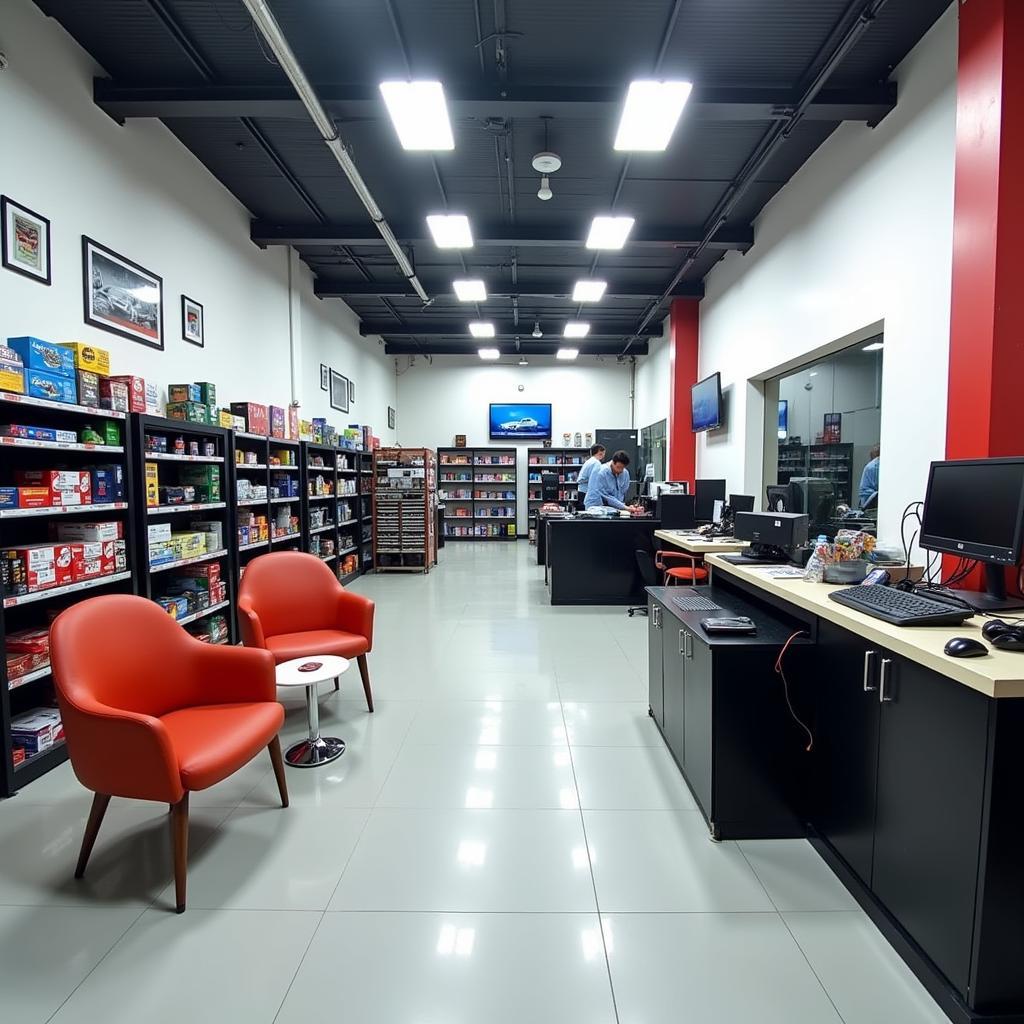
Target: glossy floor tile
[{"x": 505, "y": 839}]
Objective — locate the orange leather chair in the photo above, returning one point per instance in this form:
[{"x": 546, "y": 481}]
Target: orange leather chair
[
  {"x": 693, "y": 572},
  {"x": 151, "y": 713},
  {"x": 292, "y": 605}
]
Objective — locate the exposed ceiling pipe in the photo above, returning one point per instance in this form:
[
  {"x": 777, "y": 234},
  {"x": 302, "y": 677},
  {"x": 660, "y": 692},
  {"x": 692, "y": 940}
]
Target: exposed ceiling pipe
[
  {"x": 265, "y": 21},
  {"x": 766, "y": 148}
]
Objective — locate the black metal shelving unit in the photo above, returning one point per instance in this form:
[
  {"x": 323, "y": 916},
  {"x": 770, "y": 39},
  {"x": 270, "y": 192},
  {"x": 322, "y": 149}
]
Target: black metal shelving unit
[
  {"x": 479, "y": 492},
  {"x": 319, "y": 469},
  {"x": 286, "y": 487},
  {"x": 364, "y": 507},
  {"x": 173, "y": 469},
  {"x": 348, "y": 515},
  {"x": 566, "y": 462},
  {"x": 20, "y": 526}
]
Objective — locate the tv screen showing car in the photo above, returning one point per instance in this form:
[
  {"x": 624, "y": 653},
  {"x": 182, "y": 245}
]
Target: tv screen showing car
[
  {"x": 706, "y": 403},
  {"x": 527, "y": 422}
]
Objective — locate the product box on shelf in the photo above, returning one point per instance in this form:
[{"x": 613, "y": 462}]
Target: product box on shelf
[
  {"x": 214, "y": 531},
  {"x": 120, "y": 555},
  {"x": 203, "y": 476},
  {"x": 37, "y": 354},
  {"x": 293, "y": 423},
  {"x": 183, "y": 393},
  {"x": 207, "y": 392},
  {"x": 10, "y": 359},
  {"x": 91, "y": 559},
  {"x": 46, "y": 565},
  {"x": 159, "y": 533},
  {"x": 13, "y": 573},
  {"x": 24, "y": 497},
  {"x": 276, "y": 421},
  {"x": 107, "y": 484},
  {"x": 89, "y": 357},
  {"x": 37, "y": 433},
  {"x": 12, "y": 380},
  {"x": 305, "y": 430},
  {"x": 136, "y": 392},
  {"x": 225, "y": 419},
  {"x": 255, "y": 416},
  {"x": 88, "y": 388},
  {"x": 97, "y": 531},
  {"x": 115, "y": 395},
  {"x": 37, "y": 730},
  {"x": 190, "y": 412},
  {"x": 188, "y": 544},
  {"x": 65, "y": 487},
  {"x": 111, "y": 431},
  {"x": 152, "y": 484},
  {"x": 177, "y": 495},
  {"x": 50, "y": 386}
]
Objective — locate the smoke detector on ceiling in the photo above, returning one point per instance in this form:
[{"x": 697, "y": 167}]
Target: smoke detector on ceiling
[{"x": 546, "y": 163}]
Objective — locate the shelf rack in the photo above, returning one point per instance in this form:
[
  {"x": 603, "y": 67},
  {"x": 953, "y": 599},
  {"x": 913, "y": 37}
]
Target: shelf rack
[
  {"x": 364, "y": 512},
  {"x": 832, "y": 462},
  {"x": 154, "y": 580},
  {"x": 404, "y": 510},
  {"x": 320, "y": 462},
  {"x": 478, "y": 489},
  {"x": 31, "y": 526},
  {"x": 566, "y": 462}
]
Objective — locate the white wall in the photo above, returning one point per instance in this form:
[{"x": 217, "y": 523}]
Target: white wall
[
  {"x": 863, "y": 233},
  {"x": 451, "y": 396},
  {"x": 137, "y": 190},
  {"x": 653, "y": 373}
]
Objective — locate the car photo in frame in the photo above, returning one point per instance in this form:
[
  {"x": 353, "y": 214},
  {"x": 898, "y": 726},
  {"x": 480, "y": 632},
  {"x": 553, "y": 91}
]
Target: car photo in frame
[{"x": 120, "y": 296}]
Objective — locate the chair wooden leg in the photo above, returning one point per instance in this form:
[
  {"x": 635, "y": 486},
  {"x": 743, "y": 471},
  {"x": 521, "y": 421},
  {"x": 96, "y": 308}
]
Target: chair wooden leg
[
  {"x": 364, "y": 671},
  {"x": 278, "y": 761},
  {"x": 179, "y": 838},
  {"x": 337, "y": 683},
  {"x": 100, "y": 802}
]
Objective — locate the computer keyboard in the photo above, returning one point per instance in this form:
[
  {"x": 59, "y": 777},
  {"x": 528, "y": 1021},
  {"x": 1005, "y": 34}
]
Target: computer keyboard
[
  {"x": 695, "y": 603},
  {"x": 899, "y": 607}
]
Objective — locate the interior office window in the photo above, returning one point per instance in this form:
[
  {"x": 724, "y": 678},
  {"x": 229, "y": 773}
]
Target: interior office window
[
  {"x": 829, "y": 423},
  {"x": 653, "y": 445}
]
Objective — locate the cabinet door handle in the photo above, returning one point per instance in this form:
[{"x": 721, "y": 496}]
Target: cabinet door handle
[
  {"x": 689, "y": 645},
  {"x": 868, "y": 655},
  {"x": 682, "y": 642},
  {"x": 657, "y": 616},
  {"x": 883, "y": 678}
]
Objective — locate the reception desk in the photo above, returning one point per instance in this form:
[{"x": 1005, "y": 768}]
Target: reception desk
[{"x": 593, "y": 561}]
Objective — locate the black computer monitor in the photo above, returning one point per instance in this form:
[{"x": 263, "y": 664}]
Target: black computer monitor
[
  {"x": 707, "y": 492},
  {"x": 741, "y": 503},
  {"x": 974, "y": 508},
  {"x": 783, "y": 498},
  {"x": 676, "y": 511},
  {"x": 549, "y": 486}
]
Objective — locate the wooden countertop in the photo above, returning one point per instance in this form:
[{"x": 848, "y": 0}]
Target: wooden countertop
[
  {"x": 698, "y": 545},
  {"x": 997, "y": 674}
]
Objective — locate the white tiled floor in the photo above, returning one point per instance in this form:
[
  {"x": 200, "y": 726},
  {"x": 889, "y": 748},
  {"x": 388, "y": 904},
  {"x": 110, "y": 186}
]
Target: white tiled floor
[{"x": 505, "y": 839}]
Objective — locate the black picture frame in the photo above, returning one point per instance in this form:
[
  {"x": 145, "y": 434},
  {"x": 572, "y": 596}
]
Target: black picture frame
[
  {"x": 110, "y": 289},
  {"x": 339, "y": 391},
  {"x": 351, "y": 391},
  {"x": 193, "y": 338},
  {"x": 12, "y": 238},
  {"x": 325, "y": 377},
  {"x": 391, "y": 418}
]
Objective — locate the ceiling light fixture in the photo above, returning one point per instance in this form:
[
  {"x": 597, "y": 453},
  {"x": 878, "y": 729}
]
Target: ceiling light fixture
[
  {"x": 450, "y": 230},
  {"x": 576, "y": 329},
  {"x": 609, "y": 232},
  {"x": 523, "y": 361},
  {"x": 589, "y": 291},
  {"x": 470, "y": 290},
  {"x": 544, "y": 193},
  {"x": 567, "y": 353},
  {"x": 537, "y": 332},
  {"x": 419, "y": 113},
  {"x": 481, "y": 328},
  {"x": 650, "y": 114},
  {"x": 873, "y": 347},
  {"x": 488, "y": 353},
  {"x": 545, "y": 163}
]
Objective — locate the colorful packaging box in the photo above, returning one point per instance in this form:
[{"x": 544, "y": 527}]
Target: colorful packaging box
[
  {"x": 214, "y": 531},
  {"x": 50, "y": 386},
  {"x": 255, "y": 416},
  {"x": 207, "y": 392},
  {"x": 95, "y": 532},
  {"x": 92, "y": 559},
  {"x": 33, "y": 497},
  {"x": 276, "y": 421},
  {"x": 12, "y": 380},
  {"x": 159, "y": 533},
  {"x": 111, "y": 431},
  {"x": 37, "y": 433},
  {"x": 293, "y": 423},
  {"x": 88, "y": 357},
  {"x": 152, "y": 484},
  {"x": 35, "y": 730},
  {"x": 189, "y": 544},
  {"x": 136, "y": 392},
  {"x": 225, "y": 419},
  {"x": 8, "y": 357},
  {"x": 120, "y": 555},
  {"x": 177, "y": 495},
  {"x": 46, "y": 565},
  {"x": 115, "y": 395},
  {"x": 189, "y": 412},
  {"x": 184, "y": 393},
  {"x": 65, "y": 487},
  {"x": 202, "y": 476},
  {"x": 37, "y": 354},
  {"x": 88, "y": 388},
  {"x": 107, "y": 484}
]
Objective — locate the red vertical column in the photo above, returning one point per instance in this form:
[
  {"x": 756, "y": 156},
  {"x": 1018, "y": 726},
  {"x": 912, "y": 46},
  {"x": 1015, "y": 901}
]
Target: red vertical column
[
  {"x": 986, "y": 344},
  {"x": 684, "y": 341}
]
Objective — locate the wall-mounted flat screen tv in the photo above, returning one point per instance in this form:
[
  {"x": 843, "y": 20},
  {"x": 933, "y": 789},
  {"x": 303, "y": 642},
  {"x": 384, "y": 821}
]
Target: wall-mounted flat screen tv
[
  {"x": 706, "y": 403},
  {"x": 525, "y": 421}
]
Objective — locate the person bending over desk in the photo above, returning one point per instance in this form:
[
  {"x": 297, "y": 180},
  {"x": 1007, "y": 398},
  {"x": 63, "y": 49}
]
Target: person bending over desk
[
  {"x": 587, "y": 470},
  {"x": 609, "y": 485}
]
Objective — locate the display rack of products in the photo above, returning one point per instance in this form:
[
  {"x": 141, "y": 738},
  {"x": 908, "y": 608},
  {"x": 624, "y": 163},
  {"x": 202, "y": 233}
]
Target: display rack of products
[
  {"x": 478, "y": 488},
  {"x": 185, "y": 523},
  {"x": 832, "y": 462},
  {"x": 320, "y": 504},
  {"x": 404, "y": 510},
  {"x": 350, "y": 528},
  {"x": 364, "y": 510},
  {"x": 566, "y": 462},
  {"x": 66, "y": 534}
]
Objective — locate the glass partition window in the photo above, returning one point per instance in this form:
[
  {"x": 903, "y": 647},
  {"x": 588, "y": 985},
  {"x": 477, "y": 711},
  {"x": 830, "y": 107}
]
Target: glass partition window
[{"x": 829, "y": 420}]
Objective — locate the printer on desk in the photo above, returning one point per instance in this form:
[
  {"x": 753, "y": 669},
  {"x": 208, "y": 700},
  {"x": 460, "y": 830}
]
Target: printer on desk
[{"x": 773, "y": 536}]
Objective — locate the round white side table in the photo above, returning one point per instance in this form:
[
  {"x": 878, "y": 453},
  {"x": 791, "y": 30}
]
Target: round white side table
[{"x": 308, "y": 672}]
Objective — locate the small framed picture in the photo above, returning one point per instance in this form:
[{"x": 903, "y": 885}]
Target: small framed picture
[
  {"x": 192, "y": 321},
  {"x": 120, "y": 296},
  {"x": 325, "y": 377},
  {"x": 339, "y": 392},
  {"x": 391, "y": 418},
  {"x": 26, "y": 241},
  {"x": 351, "y": 391}
]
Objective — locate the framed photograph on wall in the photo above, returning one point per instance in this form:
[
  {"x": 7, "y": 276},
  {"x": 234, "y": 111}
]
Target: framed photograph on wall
[
  {"x": 351, "y": 390},
  {"x": 325, "y": 377},
  {"x": 26, "y": 241},
  {"x": 339, "y": 392},
  {"x": 391, "y": 418},
  {"x": 192, "y": 327},
  {"x": 120, "y": 296}
]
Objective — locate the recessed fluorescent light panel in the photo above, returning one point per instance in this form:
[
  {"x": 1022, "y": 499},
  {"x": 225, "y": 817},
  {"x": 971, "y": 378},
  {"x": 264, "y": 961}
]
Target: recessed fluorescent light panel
[
  {"x": 609, "y": 232},
  {"x": 576, "y": 329},
  {"x": 873, "y": 347},
  {"x": 650, "y": 114},
  {"x": 450, "y": 230},
  {"x": 567, "y": 353},
  {"x": 481, "y": 329},
  {"x": 419, "y": 113},
  {"x": 488, "y": 353},
  {"x": 470, "y": 290},
  {"x": 589, "y": 291}
]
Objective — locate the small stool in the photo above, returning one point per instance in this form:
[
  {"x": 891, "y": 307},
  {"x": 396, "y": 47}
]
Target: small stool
[{"x": 308, "y": 672}]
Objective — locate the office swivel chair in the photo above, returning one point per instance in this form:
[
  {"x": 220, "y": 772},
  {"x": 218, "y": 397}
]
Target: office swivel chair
[{"x": 648, "y": 573}]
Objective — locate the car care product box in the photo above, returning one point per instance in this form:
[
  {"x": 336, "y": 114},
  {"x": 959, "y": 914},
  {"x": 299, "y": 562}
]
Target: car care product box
[
  {"x": 276, "y": 421},
  {"x": 50, "y": 386},
  {"x": 43, "y": 355},
  {"x": 114, "y": 395},
  {"x": 189, "y": 412},
  {"x": 66, "y": 487},
  {"x": 206, "y": 480},
  {"x": 88, "y": 388},
  {"x": 136, "y": 392},
  {"x": 184, "y": 393},
  {"x": 89, "y": 357},
  {"x": 12, "y": 380},
  {"x": 46, "y": 565},
  {"x": 107, "y": 484},
  {"x": 27, "y": 433},
  {"x": 255, "y": 416},
  {"x": 92, "y": 559},
  {"x": 214, "y": 531},
  {"x": 92, "y": 532}
]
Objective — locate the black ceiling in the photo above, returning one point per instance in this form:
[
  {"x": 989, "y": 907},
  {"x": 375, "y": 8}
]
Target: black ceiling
[{"x": 201, "y": 66}]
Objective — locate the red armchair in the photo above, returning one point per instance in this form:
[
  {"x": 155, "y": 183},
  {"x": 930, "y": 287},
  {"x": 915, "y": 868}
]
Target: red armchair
[
  {"x": 690, "y": 570},
  {"x": 292, "y": 605},
  {"x": 151, "y": 713}
]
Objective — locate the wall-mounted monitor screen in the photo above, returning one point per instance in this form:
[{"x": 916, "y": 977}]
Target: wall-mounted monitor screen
[
  {"x": 706, "y": 403},
  {"x": 524, "y": 420}
]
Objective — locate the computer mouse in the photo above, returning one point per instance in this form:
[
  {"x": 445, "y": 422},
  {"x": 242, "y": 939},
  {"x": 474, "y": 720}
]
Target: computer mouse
[
  {"x": 965, "y": 647},
  {"x": 1009, "y": 640},
  {"x": 994, "y": 628}
]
